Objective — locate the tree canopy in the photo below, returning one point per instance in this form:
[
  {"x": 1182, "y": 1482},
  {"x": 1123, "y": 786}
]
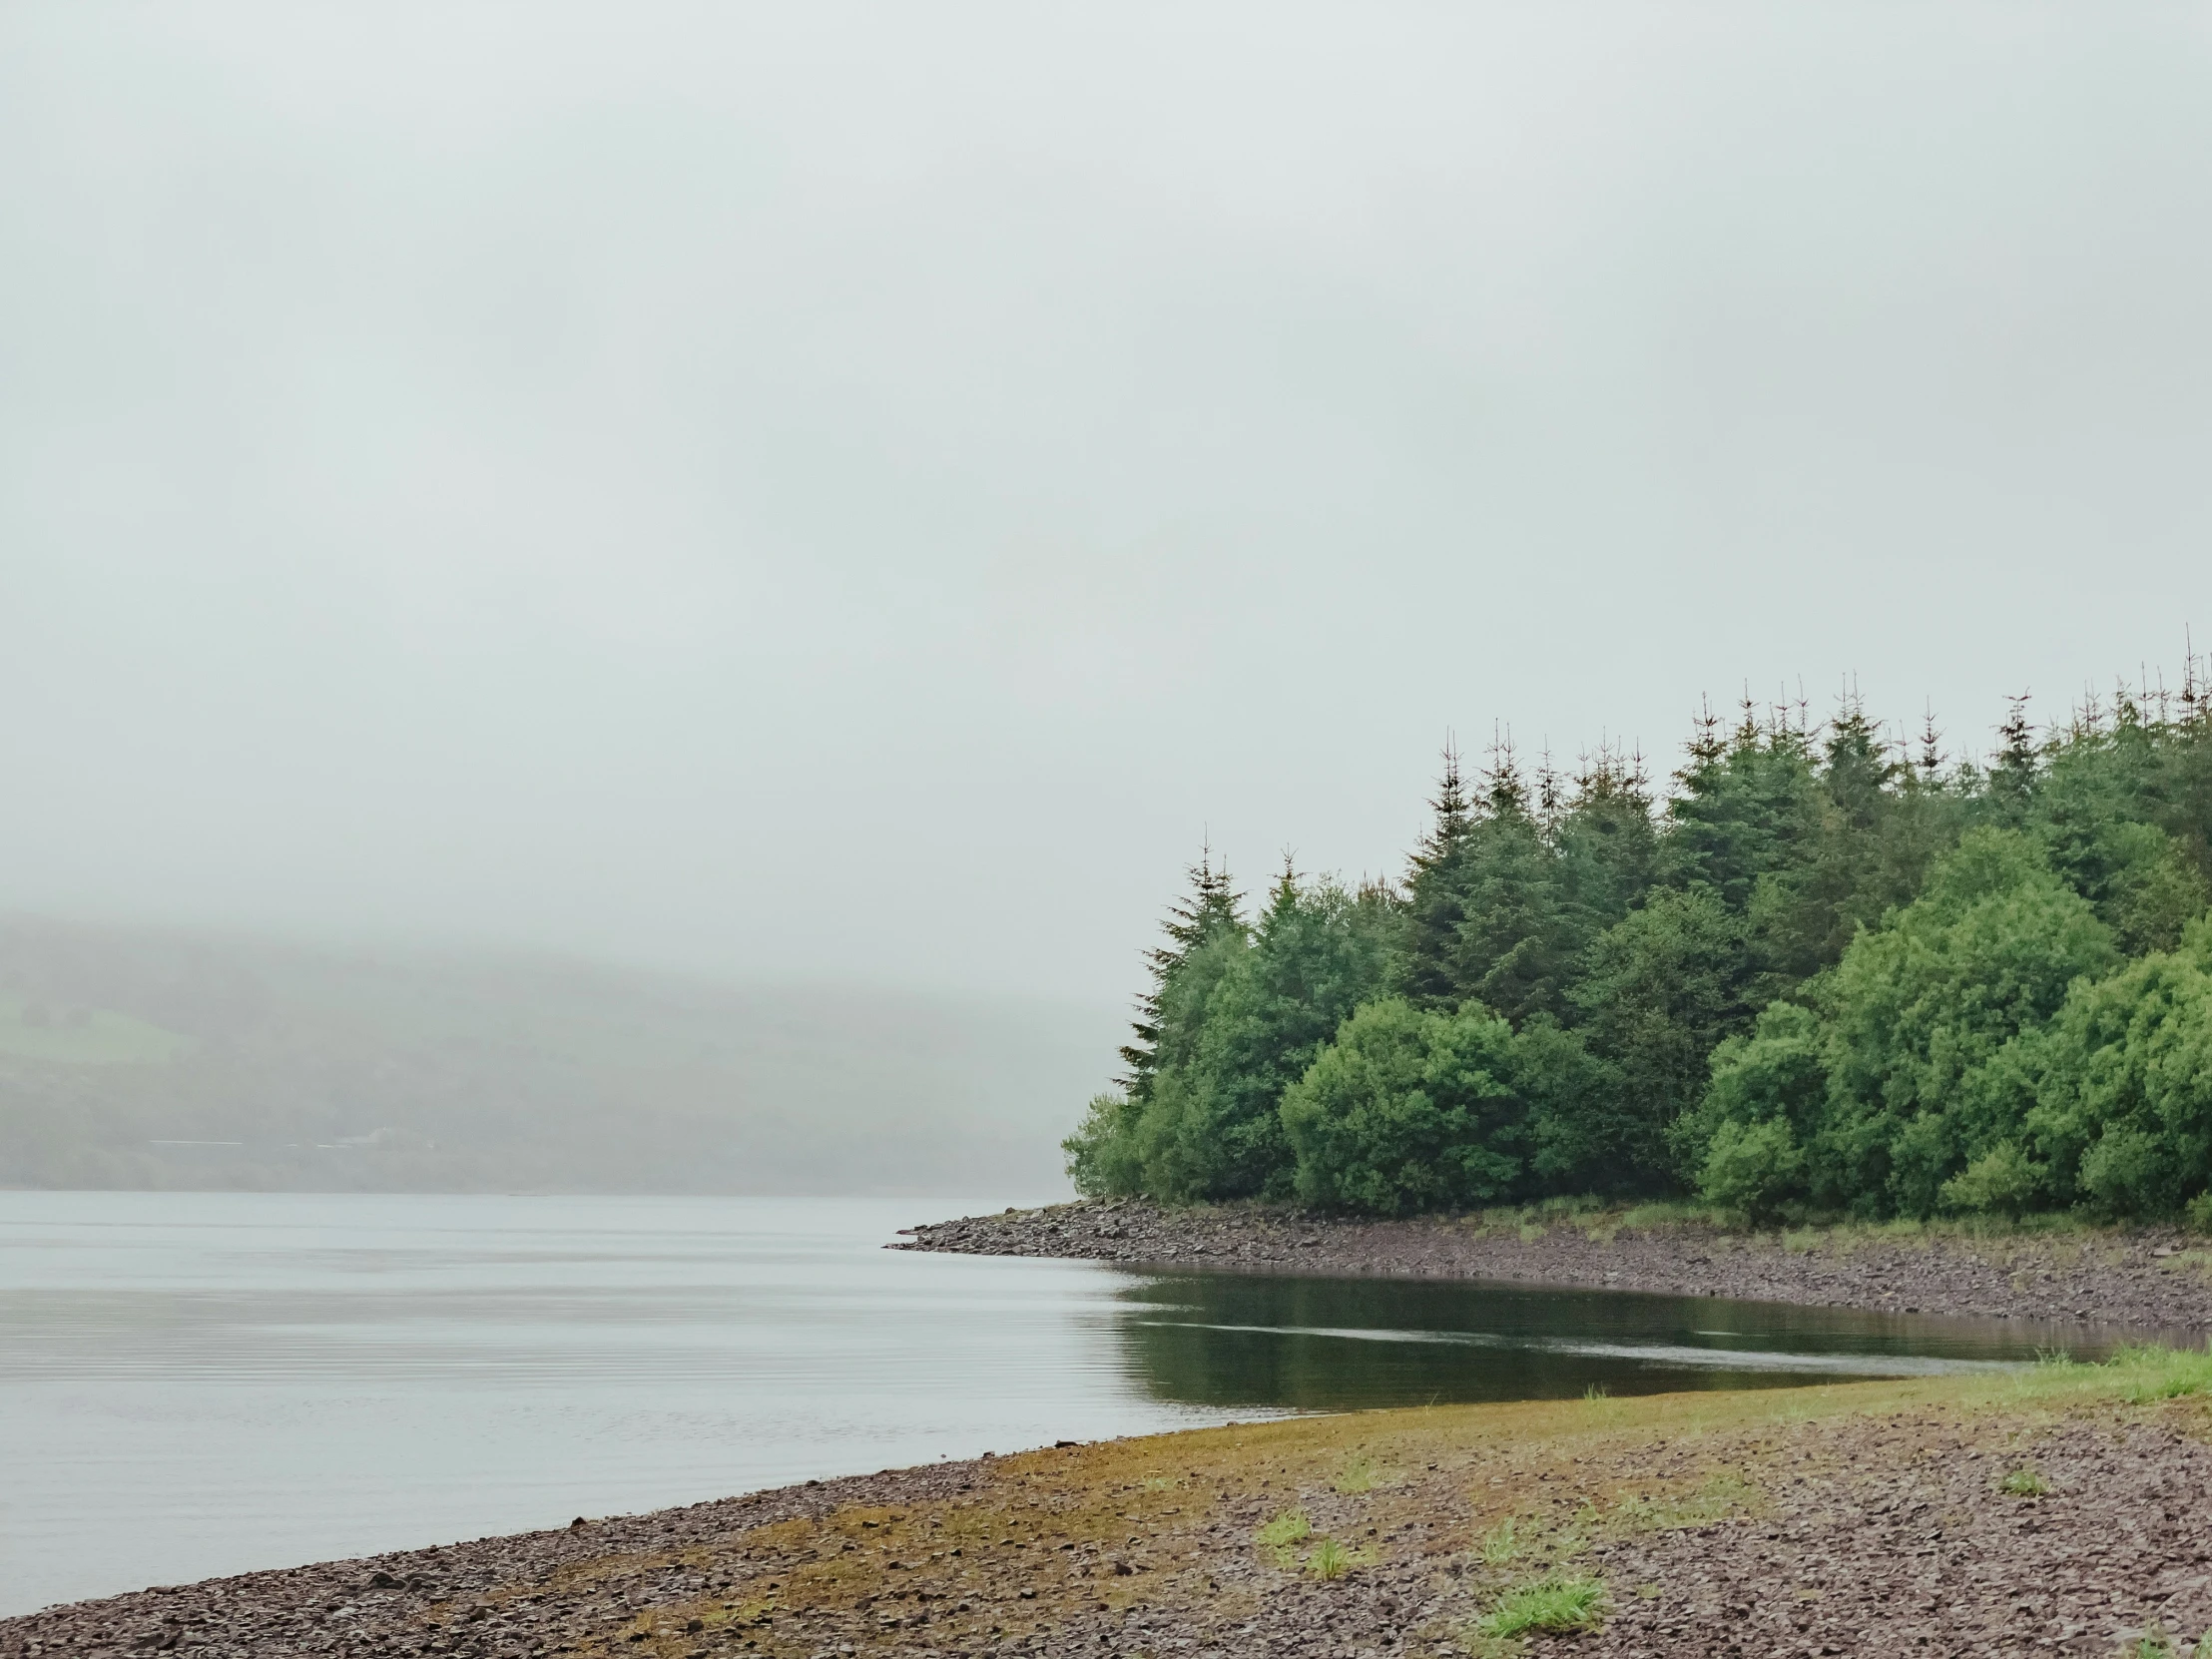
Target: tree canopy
[{"x": 1824, "y": 971}]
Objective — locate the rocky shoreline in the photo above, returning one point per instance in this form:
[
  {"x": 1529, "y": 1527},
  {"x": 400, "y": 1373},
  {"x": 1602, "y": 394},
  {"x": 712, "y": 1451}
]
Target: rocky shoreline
[
  {"x": 2157, "y": 1278},
  {"x": 2059, "y": 1513}
]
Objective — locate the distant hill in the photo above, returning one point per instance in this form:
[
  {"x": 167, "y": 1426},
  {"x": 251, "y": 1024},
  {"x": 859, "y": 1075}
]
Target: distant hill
[{"x": 148, "y": 1059}]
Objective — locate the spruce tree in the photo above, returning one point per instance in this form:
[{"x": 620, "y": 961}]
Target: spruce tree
[
  {"x": 1435, "y": 895},
  {"x": 1316, "y": 952},
  {"x": 1210, "y": 908},
  {"x": 2015, "y": 768},
  {"x": 2186, "y": 740},
  {"x": 1606, "y": 840},
  {"x": 1746, "y": 809},
  {"x": 1515, "y": 943}
]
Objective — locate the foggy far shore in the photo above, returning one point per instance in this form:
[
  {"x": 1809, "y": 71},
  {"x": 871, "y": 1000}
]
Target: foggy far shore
[{"x": 177, "y": 1059}]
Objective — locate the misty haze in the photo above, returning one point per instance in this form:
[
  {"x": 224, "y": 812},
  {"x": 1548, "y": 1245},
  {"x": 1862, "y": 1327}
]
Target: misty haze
[{"x": 1260, "y": 787}]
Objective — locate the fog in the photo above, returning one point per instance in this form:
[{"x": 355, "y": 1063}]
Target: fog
[{"x": 828, "y": 494}]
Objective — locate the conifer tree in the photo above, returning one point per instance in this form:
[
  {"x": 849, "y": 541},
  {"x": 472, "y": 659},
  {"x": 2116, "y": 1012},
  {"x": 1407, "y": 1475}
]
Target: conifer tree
[
  {"x": 1606, "y": 840},
  {"x": 1316, "y": 952},
  {"x": 1435, "y": 895},
  {"x": 1847, "y": 886},
  {"x": 2187, "y": 741},
  {"x": 1515, "y": 943},
  {"x": 2010, "y": 787},
  {"x": 1211, "y": 907},
  {"x": 1746, "y": 809}
]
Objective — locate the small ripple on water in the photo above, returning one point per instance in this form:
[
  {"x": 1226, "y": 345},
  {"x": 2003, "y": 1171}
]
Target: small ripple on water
[{"x": 1666, "y": 1354}]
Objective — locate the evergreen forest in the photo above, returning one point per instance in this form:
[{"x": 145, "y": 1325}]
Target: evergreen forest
[{"x": 1825, "y": 972}]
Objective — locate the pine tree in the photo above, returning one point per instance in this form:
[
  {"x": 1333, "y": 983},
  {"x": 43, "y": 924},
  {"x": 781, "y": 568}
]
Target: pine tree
[
  {"x": 1316, "y": 952},
  {"x": 1746, "y": 809},
  {"x": 1932, "y": 745},
  {"x": 1436, "y": 894},
  {"x": 1210, "y": 908},
  {"x": 1607, "y": 841},
  {"x": 2013, "y": 767},
  {"x": 1515, "y": 941}
]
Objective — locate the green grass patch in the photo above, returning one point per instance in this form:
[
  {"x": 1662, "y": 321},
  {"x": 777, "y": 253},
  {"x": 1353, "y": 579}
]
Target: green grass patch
[
  {"x": 1555, "y": 1603},
  {"x": 2150, "y": 1374},
  {"x": 1665, "y": 1216},
  {"x": 2158, "y": 1645},
  {"x": 1287, "y": 1528},
  {"x": 2139, "y": 1376},
  {"x": 2024, "y": 1484},
  {"x": 1360, "y": 1473},
  {"x": 1329, "y": 1559},
  {"x": 1501, "y": 1543},
  {"x": 1718, "y": 1498}
]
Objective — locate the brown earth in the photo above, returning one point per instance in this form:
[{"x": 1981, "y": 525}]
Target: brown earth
[
  {"x": 1866, "y": 1520},
  {"x": 2155, "y": 1277}
]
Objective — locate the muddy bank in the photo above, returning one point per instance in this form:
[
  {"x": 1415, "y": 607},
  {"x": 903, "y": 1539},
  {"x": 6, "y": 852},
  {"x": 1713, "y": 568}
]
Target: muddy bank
[
  {"x": 2038, "y": 1513},
  {"x": 2153, "y": 1278}
]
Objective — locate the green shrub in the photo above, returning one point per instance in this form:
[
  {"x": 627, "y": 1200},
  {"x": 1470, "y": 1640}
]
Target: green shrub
[
  {"x": 1921, "y": 1083},
  {"x": 1754, "y": 1170},
  {"x": 2123, "y": 1112},
  {"x": 1103, "y": 1158},
  {"x": 2002, "y": 1182},
  {"x": 1408, "y": 1110}
]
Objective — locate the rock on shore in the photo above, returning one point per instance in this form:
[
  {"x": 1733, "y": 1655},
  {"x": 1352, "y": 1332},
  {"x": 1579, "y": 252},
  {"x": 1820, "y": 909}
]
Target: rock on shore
[{"x": 2154, "y": 1278}]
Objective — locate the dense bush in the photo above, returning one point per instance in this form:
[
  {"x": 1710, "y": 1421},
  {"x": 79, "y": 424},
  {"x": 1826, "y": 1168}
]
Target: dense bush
[
  {"x": 1410, "y": 1110},
  {"x": 1822, "y": 976},
  {"x": 2122, "y": 1118}
]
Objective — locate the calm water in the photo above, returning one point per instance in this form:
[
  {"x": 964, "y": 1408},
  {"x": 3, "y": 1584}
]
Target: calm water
[{"x": 199, "y": 1383}]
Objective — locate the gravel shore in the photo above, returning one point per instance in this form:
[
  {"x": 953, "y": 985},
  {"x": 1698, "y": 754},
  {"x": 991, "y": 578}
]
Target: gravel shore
[
  {"x": 2158, "y": 1278},
  {"x": 1937, "y": 1516}
]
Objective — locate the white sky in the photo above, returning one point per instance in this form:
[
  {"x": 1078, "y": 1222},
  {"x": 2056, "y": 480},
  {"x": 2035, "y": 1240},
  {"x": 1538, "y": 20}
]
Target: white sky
[{"x": 832, "y": 491}]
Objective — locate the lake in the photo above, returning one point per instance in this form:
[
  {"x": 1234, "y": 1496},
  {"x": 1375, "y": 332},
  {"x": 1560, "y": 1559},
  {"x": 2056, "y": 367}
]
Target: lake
[{"x": 196, "y": 1384}]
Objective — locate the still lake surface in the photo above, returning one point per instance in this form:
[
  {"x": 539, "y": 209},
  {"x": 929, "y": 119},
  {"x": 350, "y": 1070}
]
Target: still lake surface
[{"x": 196, "y": 1384}]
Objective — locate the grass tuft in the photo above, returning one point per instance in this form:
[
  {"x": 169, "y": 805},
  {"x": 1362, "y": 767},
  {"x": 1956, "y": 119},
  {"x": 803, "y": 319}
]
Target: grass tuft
[
  {"x": 1548, "y": 1604},
  {"x": 1501, "y": 1544},
  {"x": 1329, "y": 1559},
  {"x": 1290, "y": 1527},
  {"x": 2023, "y": 1482},
  {"x": 2156, "y": 1644},
  {"x": 1360, "y": 1473}
]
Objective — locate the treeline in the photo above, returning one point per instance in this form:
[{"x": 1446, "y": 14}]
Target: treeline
[{"x": 1827, "y": 973}]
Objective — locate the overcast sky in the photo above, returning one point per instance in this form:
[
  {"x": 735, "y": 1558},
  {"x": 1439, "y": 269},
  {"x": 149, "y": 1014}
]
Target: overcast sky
[{"x": 858, "y": 492}]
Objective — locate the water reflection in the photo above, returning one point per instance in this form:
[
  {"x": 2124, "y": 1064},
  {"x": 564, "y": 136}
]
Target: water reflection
[{"x": 1248, "y": 1339}]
